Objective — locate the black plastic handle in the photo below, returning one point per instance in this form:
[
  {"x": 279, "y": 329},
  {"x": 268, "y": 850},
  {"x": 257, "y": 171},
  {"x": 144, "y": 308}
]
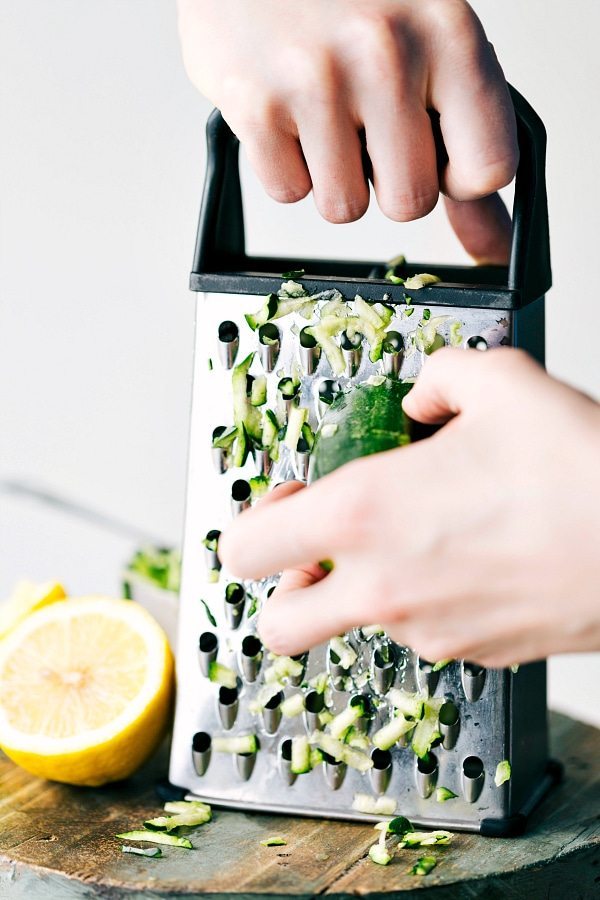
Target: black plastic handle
[{"x": 220, "y": 244}]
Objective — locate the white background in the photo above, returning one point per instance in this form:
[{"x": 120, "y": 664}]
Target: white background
[{"x": 101, "y": 168}]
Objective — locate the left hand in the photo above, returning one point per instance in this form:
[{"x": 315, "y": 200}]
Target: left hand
[{"x": 480, "y": 542}]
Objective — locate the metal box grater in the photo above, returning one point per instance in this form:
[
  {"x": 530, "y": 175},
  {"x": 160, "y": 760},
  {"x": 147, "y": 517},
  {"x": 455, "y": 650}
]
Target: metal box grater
[{"x": 487, "y": 716}]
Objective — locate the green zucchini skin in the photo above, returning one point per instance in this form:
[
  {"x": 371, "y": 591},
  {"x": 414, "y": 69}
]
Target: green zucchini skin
[{"x": 367, "y": 419}]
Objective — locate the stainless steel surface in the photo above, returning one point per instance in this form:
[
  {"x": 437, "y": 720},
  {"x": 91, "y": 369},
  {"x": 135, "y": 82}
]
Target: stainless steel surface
[
  {"x": 473, "y": 680},
  {"x": 264, "y": 781}
]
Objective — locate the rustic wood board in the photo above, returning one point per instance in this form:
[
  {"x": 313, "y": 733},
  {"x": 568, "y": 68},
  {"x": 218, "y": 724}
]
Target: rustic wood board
[{"x": 57, "y": 843}]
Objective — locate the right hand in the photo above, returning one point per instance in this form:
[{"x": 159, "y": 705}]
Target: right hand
[{"x": 297, "y": 82}]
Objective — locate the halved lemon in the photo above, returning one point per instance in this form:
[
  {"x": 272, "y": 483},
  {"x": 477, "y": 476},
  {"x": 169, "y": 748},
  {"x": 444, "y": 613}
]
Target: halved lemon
[
  {"x": 26, "y": 597},
  {"x": 86, "y": 688}
]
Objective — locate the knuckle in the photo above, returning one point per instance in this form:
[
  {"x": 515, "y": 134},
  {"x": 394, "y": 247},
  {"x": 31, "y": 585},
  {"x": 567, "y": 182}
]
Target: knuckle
[
  {"x": 455, "y": 24},
  {"x": 310, "y": 76},
  {"x": 340, "y": 211},
  {"x": 405, "y": 206},
  {"x": 375, "y": 30}
]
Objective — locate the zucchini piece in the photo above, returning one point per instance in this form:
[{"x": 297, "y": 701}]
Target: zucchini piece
[
  {"x": 369, "y": 419},
  {"x": 427, "y": 337},
  {"x": 189, "y": 819},
  {"x": 371, "y": 631},
  {"x": 245, "y": 415},
  {"x": 223, "y": 675},
  {"x": 323, "y": 333},
  {"x": 152, "y": 852},
  {"x": 292, "y": 289},
  {"x": 319, "y": 682},
  {"x": 441, "y": 664},
  {"x": 155, "y": 837},
  {"x": 424, "y": 865},
  {"x": 409, "y": 705},
  {"x": 264, "y": 695},
  {"x": 293, "y": 432},
  {"x": 425, "y": 839},
  {"x": 282, "y": 667},
  {"x": 380, "y": 855},
  {"x": 225, "y": 440},
  {"x": 344, "y": 652},
  {"x": 325, "y": 717},
  {"x": 456, "y": 337},
  {"x": 443, "y": 794},
  {"x": 417, "y": 282},
  {"x": 270, "y": 434},
  {"x": 390, "y": 734},
  {"x": 258, "y": 391},
  {"x": 267, "y": 311},
  {"x": 259, "y": 485},
  {"x": 273, "y": 842},
  {"x": 427, "y": 730},
  {"x": 295, "y": 273},
  {"x": 209, "y": 614},
  {"x": 345, "y": 720},
  {"x": 374, "y": 806},
  {"x": 340, "y": 751},
  {"x": 503, "y": 772},
  {"x": 246, "y": 743},
  {"x": 176, "y": 807},
  {"x": 292, "y": 706},
  {"x": 300, "y": 762},
  {"x": 356, "y": 739},
  {"x": 241, "y": 448},
  {"x": 308, "y": 435}
]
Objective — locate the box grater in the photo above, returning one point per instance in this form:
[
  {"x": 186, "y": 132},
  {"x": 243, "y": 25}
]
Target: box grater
[{"x": 485, "y": 716}]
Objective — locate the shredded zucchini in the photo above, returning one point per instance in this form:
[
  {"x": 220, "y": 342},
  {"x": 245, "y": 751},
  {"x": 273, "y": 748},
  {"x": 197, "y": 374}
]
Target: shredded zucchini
[
  {"x": 424, "y": 865},
  {"x": 390, "y": 734},
  {"x": 416, "y": 282},
  {"x": 223, "y": 675},
  {"x": 242, "y": 744},
  {"x": 155, "y": 837},
  {"x": 152, "y": 852},
  {"x": 293, "y": 432},
  {"x": 425, "y": 839},
  {"x": 374, "y": 806},
  {"x": 209, "y": 614},
  {"x": 427, "y": 730},
  {"x": 273, "y": 842},
  {"x": 380, "y": 855},
  {"x": 503, "y": 772},
  {"x": 443, "y": 793},
  {"x": 344, "y": 720},
  {"x": 343, "y": 651},
  {"x": 292, "y": 706},
  {"x": 410, "y": 705},
  {"x": 341, "y": 752}
]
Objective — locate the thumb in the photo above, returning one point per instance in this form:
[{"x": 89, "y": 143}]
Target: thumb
[
  {"x": 446, "y": 386},
  {"x": 483, "y": 227}
]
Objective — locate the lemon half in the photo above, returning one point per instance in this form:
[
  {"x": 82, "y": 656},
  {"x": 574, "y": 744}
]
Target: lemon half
[{"x": 86, "y": 688}]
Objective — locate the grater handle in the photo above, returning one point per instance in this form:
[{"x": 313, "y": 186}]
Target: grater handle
[{"x": 220, "y": 244}]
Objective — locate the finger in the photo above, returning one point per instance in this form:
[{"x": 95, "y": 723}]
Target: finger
[
  {"x": 333, "y": 153},
  {"x": 281, "y": 490},
  {"x": 298, "y": 578},
  {"x": 483, "y": 227},
  {"x": 477, "y": 117},
  {"x": 296, "y": 620},
  {"x": 275, "y": 536},
  {"x": 457, "y": 381},
  {"x": 273, "y": 150},
  {"x": 389, "y": 96},
  {"x": 402, "y": 152}
]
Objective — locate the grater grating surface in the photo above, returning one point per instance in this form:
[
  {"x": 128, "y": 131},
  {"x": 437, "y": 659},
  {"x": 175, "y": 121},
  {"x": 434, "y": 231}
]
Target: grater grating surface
[{"x": 485, "y": 716}]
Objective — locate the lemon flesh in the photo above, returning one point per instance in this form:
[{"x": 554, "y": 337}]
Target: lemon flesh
[
  {"x": 25, "y": 599},
  {"x": 86, "y": 687}
]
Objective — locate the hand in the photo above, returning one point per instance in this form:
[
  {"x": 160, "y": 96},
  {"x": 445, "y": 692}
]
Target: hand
[
  {"x": 481, "y": 542},
  {"x": 297, "y": 82}
]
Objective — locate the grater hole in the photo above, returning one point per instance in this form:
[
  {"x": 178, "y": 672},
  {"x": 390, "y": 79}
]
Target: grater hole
[
  {"x": 307, "y": 340},
  {"x": 228, "y": 332},
  {"x": 314, "y": 702},
  {"x": 428, "y": 765},
  {"x": 348, "y": 343},
  {"x": 328, "y": 390},
  {"x": 393, "y": 343},
  {"x": 382, "y": 759},
  {"x": 285, "y": 750},
  {"x": 472, "y": 767},
  {"x": 472, "y": 669},
  {"x": 201, "y": 742},
  {"x": 240, "y": 491},
  {"x": 208, "y": 642},
  {"x": 476, "y": 342},
  {"x": 235, "y": 593},
  {"x": 251, "y": 646},
  {"x": 228, "y": 696},
  {"x": 275, "y": 701},
  {"x": 268, "y": 334},
  {"x": 449, "y": 714}
]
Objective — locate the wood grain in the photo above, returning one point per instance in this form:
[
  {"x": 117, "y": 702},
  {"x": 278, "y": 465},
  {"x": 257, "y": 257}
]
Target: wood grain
[{"x": 57, "y": 843}]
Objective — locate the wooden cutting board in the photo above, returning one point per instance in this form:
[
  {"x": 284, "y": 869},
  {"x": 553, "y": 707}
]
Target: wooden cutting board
[{"x": 57, "y": 843}]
